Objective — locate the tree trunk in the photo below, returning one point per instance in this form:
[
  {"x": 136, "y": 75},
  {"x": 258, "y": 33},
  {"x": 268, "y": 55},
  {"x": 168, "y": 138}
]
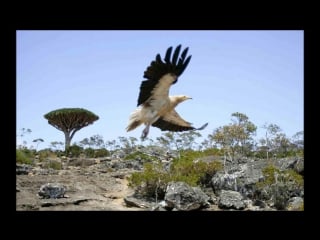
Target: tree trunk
[{"x": 67, "y": 140}]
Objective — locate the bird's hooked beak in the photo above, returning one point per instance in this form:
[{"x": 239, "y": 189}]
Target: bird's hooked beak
[{"x": 188, "y": 97}]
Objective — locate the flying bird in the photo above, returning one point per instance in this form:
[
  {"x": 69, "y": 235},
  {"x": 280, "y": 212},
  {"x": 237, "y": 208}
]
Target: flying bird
[{"x": 155, "y": 107}]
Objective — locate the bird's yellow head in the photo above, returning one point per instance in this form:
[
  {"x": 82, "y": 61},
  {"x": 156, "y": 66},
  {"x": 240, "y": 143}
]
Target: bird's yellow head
[
  {"x": 178, "y": 99},
  {"x": 183, "y": 98}
]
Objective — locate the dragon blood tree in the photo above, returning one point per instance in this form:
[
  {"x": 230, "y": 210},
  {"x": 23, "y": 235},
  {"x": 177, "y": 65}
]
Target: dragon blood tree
[{"x": 70, "y": 120}]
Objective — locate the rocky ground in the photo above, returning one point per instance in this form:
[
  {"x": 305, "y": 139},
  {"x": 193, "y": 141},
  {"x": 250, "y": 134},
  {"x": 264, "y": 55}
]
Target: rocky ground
[
  {"x": 93, "y": 187},
  {"x": 101, "y": 184}
]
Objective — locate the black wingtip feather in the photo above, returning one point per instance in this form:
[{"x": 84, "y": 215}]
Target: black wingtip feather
[
  {"x": 184, "y": 53},
  {"x": 184, "y": 66},
  {"x": 203, "y": 126},
  {"x": 158, "y": 58},
  {"x": 175, "y": 55},
  {"x": 168, "y": 126},
  {"x": 168, "y": 55},
  {"x": 159, "y": 67}
]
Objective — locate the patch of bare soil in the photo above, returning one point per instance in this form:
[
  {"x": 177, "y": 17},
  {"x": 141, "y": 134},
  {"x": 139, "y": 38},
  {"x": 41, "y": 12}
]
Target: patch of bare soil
[{"x": 87, "y": 188}]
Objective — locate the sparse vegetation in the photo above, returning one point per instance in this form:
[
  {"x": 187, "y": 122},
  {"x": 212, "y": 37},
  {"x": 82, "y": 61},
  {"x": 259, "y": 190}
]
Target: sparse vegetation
[
  {"x": 74, "y": 151},
  {"x": 140, "y": 155},
  {"x": 279, "y": 185},
  {"x": 229, "y": 141},
  {"x": 23, "y": 157},
  {"x": 153, "y": 180},
  {"x": 46, "y": 153},
  {"x": 235, "y": 139},
  {"x": 53, "y": 164},
  {"x": 95, "y": 153},
  {"x": 178, "y": 156},
  {"x": 101, "y": 152},
  {"x": 212, "y": 152},
  {"x": 38, "y": 141},
  {"x": 273, "y": 175}
]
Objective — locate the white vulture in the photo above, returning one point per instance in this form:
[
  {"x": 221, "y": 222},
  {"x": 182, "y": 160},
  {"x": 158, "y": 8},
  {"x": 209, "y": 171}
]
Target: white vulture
[{"x": 155, "y": 106}]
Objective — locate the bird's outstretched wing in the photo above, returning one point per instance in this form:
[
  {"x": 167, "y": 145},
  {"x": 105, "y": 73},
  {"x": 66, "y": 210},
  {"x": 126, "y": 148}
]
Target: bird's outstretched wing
[
  {"x": 173, "y": 122},
  {"x": 161, "y": 74}
]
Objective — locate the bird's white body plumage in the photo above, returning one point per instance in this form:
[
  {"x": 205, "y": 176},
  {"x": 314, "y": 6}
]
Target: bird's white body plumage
[{"x": 155, "y": 106}]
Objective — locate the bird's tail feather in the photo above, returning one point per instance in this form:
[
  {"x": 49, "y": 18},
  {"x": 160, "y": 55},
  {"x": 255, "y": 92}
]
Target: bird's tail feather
[{"x": 134, "y": 120}]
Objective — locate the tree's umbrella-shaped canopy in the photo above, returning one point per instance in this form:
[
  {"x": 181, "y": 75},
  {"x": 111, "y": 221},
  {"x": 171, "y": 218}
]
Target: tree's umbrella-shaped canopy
[{"x": 70, "y": 120}]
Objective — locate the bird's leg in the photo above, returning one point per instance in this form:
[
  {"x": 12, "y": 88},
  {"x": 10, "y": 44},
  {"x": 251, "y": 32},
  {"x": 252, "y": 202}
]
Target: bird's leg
[{"x": 145, "y": 131}]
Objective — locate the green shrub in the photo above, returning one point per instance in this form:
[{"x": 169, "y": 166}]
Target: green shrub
[
  {"x": 46, "y": 153},
  {"x": 30, "y": 153},
  {"x": 54, "y": 165},
  {"x": 101, "y": 152},
  {"x": 212, "y": 152},
  {"x": 89, "y": 152},
  {"x": 74, "y": 151},
  {"x": 193, "y": 173},
  {"x": 286, "y": 176},
  {"x": 268, "y": 175},
  {"x": 153, "y": 180},
  {"x": 260, "y": 154},
  {"x": 22, "y": 157},
  {"x": 140, "y": 155},
  {"x": 94, "y": 153},
  {"x": 279, "y": 185},
  {"x": 58, "y": 153}
]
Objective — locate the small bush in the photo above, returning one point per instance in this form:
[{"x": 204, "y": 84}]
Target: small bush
[
  {"x": 95, "y": 153},
  {"x": 22, "y": 157},
  {"x": 102, "y": 152},
  {"x": 89, "y": 152},
  {"x": 74, "y": 151},
  {"x": 152, "y": 182},
  {"x": 140, "y": 156},
  {"x": 270, "y": 172},
  {"x": 279, "y": 185},
  {"x": 212, "y": 152},
  {"x": 54, "y": 165},
  {"x": 194, "y": 173},
  {"x": 268, "y": 175},
  {"x": 260, "y": 154},
  {"x": 46, "y": 153}
]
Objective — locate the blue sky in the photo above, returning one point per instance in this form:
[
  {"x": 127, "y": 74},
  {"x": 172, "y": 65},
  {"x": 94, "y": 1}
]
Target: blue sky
[{"x": 258, "y": 73}]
